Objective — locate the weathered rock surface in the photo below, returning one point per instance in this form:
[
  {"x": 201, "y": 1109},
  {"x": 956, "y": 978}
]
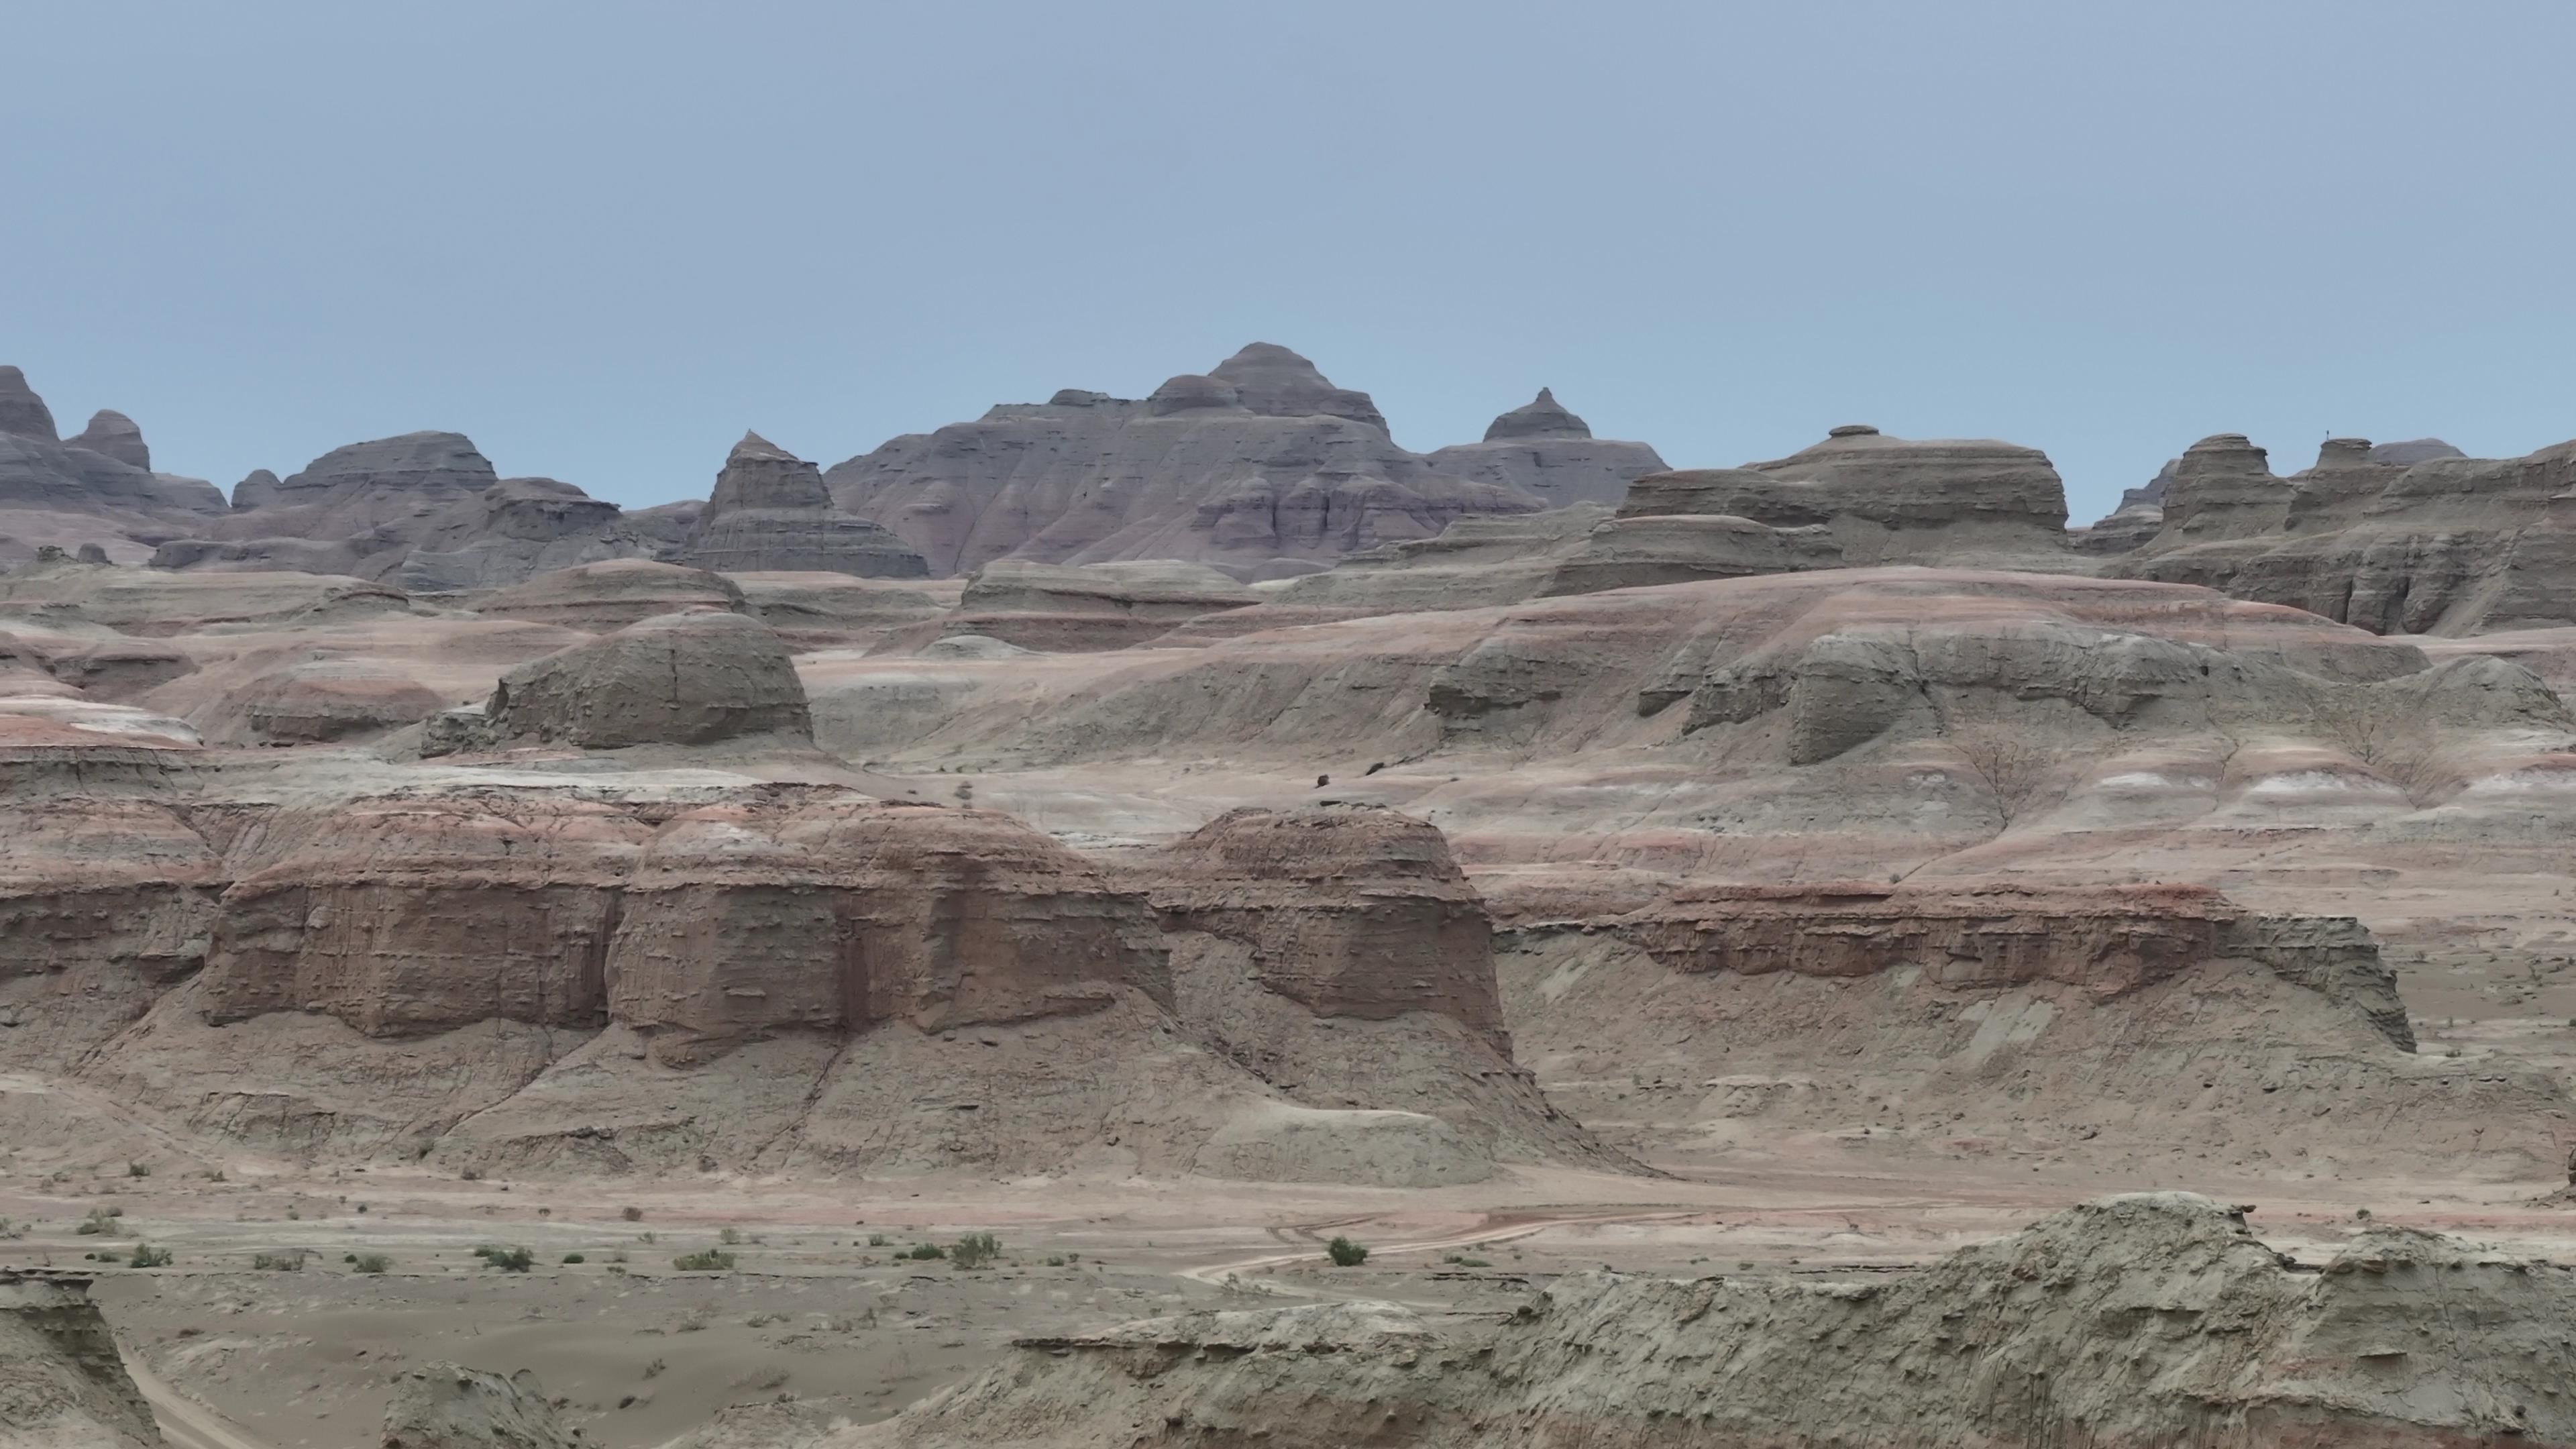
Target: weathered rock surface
[
  {"x": 1548, "y": 451},
  {"x": 448, "y": 1406},
  {"x": 112, "y": 434},
  {"x": 771, "y": 512},
  {"x": 607, "y": 596},
  {"x": 1886, "y": 500},
  {"x": 62, "y": 1383},
  {"x": 1348, "y": 912},
  {"x": 2414, "y": 540},
  {"x": 2145, "y": 1319},
  {"x": 1261, "y": 467},
  {"x": 1059, "y": 607},
  {"x": 674, "y": 679},
  {"x": 424, "y": 510},
  {"x": 22, "y": 413}
]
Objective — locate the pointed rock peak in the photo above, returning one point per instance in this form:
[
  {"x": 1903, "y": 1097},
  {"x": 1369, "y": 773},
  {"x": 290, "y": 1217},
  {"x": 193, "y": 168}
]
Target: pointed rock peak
[
  {"x": 21, "y": 411},
  {"x": 1541, "y": 417},
  {"x": 1275, "y": 382},
  {"x": 112, "y": 434},
  {"x": 753, "y": 445}
]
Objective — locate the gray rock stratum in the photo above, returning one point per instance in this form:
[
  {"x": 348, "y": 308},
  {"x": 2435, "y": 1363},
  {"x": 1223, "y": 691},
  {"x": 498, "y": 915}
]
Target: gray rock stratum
[
  {"x": 94, "y": 488},
  {"x": 1260, "y": 466}
]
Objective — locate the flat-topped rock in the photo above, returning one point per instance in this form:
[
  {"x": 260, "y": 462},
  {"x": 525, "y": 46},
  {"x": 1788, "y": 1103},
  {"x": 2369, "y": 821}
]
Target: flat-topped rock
[{"x": 674, "y": 679}]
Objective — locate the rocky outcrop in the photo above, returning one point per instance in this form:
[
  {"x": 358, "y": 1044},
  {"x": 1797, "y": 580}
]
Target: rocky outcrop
[
  {"x": 1886, "y": 500},
  {"x": 448, "y": 1406},
  {"x": 2146, "y": 1319},
  {"x": 770, "y": 512},
  {"x": 2108, "y": 943},
  {"x": 22, "y": 413},
  {"x": 112, "y": 434},
  {"x": 63, "y": 1385},
  {"x": 1546, "y": 450},
  {"x": 674, "y": 679},
  {"x": 745, "y": 919},
  {"x": 2443, "y": 545},
  {"x": 607, "y": 596},
  {"x": 1348, "y": 911},
  {"x": 1060, "y": 607},
  {"x": 95, "y": 489},
  {"x": 423, "y": 510},
  {"x": 1261, "y": 467}
]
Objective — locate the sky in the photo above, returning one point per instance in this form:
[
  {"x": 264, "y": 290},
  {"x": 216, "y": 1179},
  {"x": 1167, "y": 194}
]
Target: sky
[{"x": 604, "y": 239}]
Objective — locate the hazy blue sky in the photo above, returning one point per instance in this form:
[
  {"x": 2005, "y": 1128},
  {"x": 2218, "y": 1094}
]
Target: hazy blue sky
[{"x": 603, "y": 239}]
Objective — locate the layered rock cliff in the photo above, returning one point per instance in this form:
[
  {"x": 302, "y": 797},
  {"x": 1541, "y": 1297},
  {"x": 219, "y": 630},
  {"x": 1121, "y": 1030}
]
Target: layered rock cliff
[{"x": 771, "y": 512}]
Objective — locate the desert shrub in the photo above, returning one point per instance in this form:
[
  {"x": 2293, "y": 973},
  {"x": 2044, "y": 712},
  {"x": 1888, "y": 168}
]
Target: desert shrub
[
  {"x": 1055, "y": 1260},
  {"x": 728, "y": 1237},
  {"x": 370, "y": 1262},
  {"x": 471, "y": 1174},
  {"x": 138, "y": 1169},
  {"x": 1345, "y": 1253},
  {"x": 975, "y": 1250},
  {"x": 290, "y": 1261},
  {"x": 94, "y": 1224},
  {"x": 924, "y": 1252},
  {"x": 574, "y": 1258},
  {"x": 878, "y": 1240},
  {"x": 508, "y": 1260},
  {"x": 708, "y": 1260},
  {"x": 631, "y": 1214},
  {"x": 148, "y": 1256}
]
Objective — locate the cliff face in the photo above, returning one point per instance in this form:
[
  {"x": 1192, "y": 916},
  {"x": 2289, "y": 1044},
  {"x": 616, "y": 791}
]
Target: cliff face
[
  {"x": 1349, "y": 912},
  {"x": 741, "y": 919},
  {"x": 2107, "y": 942}
]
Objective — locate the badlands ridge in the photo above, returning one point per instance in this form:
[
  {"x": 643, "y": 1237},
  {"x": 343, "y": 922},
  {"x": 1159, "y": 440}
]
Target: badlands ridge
[{"x": 1199, "y": 815}]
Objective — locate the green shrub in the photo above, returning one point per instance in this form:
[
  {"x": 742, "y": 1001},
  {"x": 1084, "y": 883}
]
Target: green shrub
[
  {"x": 710, "y": 1260},
  {"x": 370, "y": 1262},
  {"x": 876, "y": 1240},
  {"x": 508, "y": 1260},
  {"x": 148, "y": 1256},
  {"x": 290, "y": 1261},
  {"x": 573, "y": 1258},
  {"x": 728, "y": 1237},
  {"x": 1345, "y": 1253},
  {"x": 975, "y": 1250},
  {"x": 631, "y": 1214},
  {"x": 138, "y": 1169},
  {"x": 924, "y": 1252}
]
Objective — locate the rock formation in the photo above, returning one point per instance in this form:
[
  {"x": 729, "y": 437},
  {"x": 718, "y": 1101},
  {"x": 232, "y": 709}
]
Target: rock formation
[
  {"x": 771, "y": 512},
  {"x": 62, "y": 1383},
  {"x": 22, "y": 413},
  {"x": 423, "y": 510},
  {"x": 1544, "y": 449},
  {"x": 1261, "y": 467},
  {"x": 2415, "y": 541},
  {"x": 607, "y": 596},
  {"x": 2032, "y": 1339},
  {"x": 94, "y": 490},
  {"x": 448, "y": 1406},
  {"x": 112, "y": 434},
  {"x": 1092, "y": 606},
  {"x": 674, "y": 679}
]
